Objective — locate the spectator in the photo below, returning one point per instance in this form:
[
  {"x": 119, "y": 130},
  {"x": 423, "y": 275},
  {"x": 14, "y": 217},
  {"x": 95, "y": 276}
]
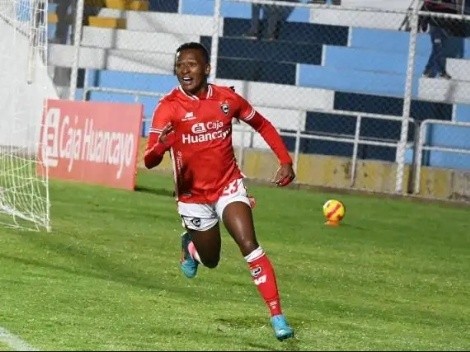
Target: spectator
[
  {"x": 66, "y": 11},
  {"x": 64, "y": 34},
  {"x": 63, "y": 21},
  {"x": 194, "y": 122},
  {"x": 440, "y": 30},
  {"x": 272, "y": 16}
]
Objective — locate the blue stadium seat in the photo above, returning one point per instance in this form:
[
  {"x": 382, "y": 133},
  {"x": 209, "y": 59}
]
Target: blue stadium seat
[
  {"x": 375, "y": 152},
  {"x": 345, "y": 80},
  {"x": 79, "y": 94},
  {"x": 366, "y": 78},
  {"x": 365, "y": 59},
  {"x": 341, "y": 125},
  {"x": 462, "y": 113},
  {"x": 446, "y": 160},
  {"x": 344, "y": 149},
  {"x": 313, "y": 146},
  {"x": 132, "y": 80},
  {"x": 152, "y": 83},
  {"x": 197, "y": 7},
  {"x": 164, "y": 5},
  {"x": 399, "y": 41},
  {"x": 277, "y": 51},
  {"x": 294, "y": 31},
  {"x": 51, "y": 31},
  {"x": 256, "y": 70},
  {"x": 51, "y": 9},
  {"x": 329, "y": 123},
  {"x": 234, "y": 9},
  {"x": 449, "y": 136},
  {"x": 148, "y": 103},
  {"x": 335, "y": 124},
  {"x": 420, "y": 110}
]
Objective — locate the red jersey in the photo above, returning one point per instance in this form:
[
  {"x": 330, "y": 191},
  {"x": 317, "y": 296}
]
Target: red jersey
[{"x": 202, "y": 153}]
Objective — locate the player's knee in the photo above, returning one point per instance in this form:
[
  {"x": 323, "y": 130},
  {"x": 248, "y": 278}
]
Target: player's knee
[{"x": 211, "y": 263}]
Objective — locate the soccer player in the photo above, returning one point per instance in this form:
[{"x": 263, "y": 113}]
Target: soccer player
[{"x": 194, "y": 123}]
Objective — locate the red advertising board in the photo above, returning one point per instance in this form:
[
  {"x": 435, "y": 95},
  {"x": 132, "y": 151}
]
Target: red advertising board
[{"x": 92, "y": 142}]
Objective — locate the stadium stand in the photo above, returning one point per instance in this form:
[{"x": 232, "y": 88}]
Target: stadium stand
[{"x": 342, "y": 66}]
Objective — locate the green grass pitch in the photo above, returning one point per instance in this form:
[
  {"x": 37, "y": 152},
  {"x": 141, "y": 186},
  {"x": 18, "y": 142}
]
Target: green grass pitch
[{"x": 393, "y": 276}]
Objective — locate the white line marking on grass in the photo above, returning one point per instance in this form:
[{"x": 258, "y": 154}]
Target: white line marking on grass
[{"x": 14, "y": 342}]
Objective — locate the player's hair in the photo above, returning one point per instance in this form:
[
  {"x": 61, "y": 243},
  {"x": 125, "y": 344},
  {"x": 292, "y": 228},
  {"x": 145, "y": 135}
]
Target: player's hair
[{"x": 195, "y": 45}]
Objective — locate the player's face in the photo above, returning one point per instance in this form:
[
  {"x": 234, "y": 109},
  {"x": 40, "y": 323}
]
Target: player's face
[{"x": 192, "y": 70}]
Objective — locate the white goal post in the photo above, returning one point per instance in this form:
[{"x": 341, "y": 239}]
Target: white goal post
[{"x": 25, "y": 85}]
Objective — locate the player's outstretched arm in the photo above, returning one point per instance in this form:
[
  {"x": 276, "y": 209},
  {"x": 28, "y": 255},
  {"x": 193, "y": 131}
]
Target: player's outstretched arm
[{"x": 285, "y": 174}]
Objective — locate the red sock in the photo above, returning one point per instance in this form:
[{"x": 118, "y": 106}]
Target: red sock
[{"x": 262, "y": 273}]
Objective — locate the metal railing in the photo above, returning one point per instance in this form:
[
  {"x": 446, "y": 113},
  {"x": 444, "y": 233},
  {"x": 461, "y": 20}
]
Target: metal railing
[{"x": 421, "y": 147}]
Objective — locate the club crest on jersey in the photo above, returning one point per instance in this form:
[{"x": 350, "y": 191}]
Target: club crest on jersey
[{"x": 225, "y": 108}]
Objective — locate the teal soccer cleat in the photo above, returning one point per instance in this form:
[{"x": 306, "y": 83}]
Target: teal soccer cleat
[
  {"x": 282, "y": 330},
  {"x": 188, "y": 264}
]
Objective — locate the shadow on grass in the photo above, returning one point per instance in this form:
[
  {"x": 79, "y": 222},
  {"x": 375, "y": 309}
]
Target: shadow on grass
[
  {"x": 99, "y": 270},
  {"x": 83, "y": 261},
  {"x": 348, "y": 226},
  {"x": 287, "y": 345},
  {"x": 255, "y": 323},
  {"x": 156, "y": 191}
]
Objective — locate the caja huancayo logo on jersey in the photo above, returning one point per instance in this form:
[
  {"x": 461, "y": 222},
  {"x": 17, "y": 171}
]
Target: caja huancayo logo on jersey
[{"x": 205, "y": 132}]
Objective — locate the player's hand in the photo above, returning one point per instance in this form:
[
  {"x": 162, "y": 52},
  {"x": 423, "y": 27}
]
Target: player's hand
[
  {"x": 167, "y": 137},
  {"x": 252, "y": 201},
  {"x": 284, "y": 175}
]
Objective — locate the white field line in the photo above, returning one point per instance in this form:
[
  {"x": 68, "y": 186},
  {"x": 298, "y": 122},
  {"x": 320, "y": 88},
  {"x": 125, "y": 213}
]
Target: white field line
[{"x": 14, "y": 342}]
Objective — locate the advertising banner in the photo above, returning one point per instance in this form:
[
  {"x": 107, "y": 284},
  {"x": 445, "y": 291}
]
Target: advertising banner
[{"x": 92, "y": 142}]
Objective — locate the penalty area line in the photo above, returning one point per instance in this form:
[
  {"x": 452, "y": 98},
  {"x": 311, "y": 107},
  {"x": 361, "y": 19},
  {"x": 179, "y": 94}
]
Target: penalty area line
[{"x": 14, "y": 342}]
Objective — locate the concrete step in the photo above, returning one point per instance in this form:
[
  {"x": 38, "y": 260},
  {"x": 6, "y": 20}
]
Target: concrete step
[
  {"x": 354, "y": 17},
  {"x": 459, "y": 69},
  {"x": 112, "y": 59},
  {"x": 443, "y": 90},
  {"x": 164, "y": 22},
  {"x": 125, "y": 39},
  {"x": 274, "y": 95}
]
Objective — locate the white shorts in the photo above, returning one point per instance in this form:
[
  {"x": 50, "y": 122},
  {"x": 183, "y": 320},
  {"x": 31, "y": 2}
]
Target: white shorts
[{"x": 202, "y": 217}]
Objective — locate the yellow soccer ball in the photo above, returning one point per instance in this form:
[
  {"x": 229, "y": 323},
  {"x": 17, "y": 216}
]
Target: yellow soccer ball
[{"x": 334, "y": 211}]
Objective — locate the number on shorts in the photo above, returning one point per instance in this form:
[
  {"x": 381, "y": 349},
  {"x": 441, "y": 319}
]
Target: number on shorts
[{"x": 231, "y": 188}]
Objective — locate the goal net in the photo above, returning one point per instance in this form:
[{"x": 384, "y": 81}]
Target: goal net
[{"x": 25, "y": 85}]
